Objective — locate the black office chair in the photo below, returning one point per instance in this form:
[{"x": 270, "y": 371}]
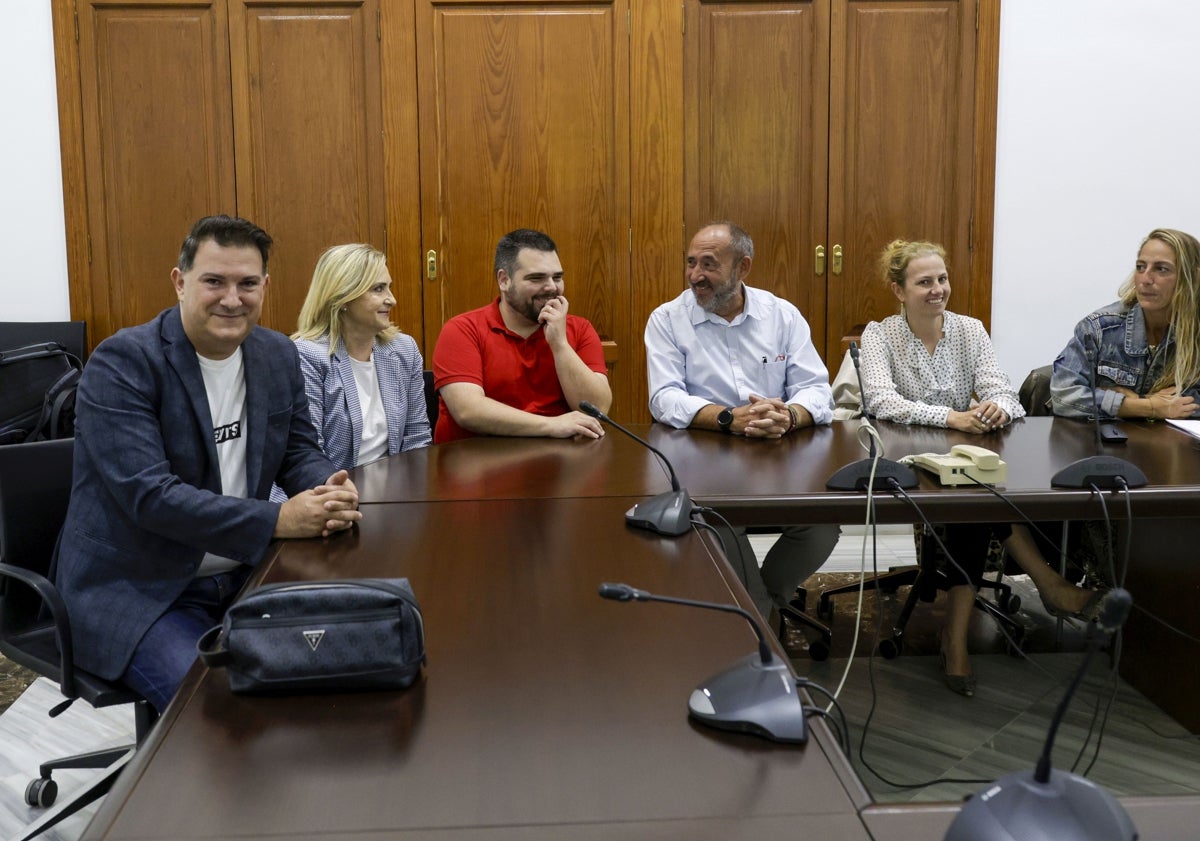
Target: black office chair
[
  {"x": 72, "y": 335},
  {"x": 35, "y": 631},
  {"x": 431, "y": 400},
  {"x": 1034, "y": 393}
]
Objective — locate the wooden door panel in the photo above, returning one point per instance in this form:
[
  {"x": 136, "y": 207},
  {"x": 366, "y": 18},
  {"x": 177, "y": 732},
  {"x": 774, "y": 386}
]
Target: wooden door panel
[
  {"x": 308, "y": 122},
  {"x": 524, "y": 122},
  {"x": 755, "y": 123},
  {"x": 901, "y": 141},
  {"x": 154, "y": 81}
]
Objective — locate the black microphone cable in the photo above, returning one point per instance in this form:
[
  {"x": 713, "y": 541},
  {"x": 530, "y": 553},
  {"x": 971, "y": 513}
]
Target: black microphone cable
[
  {"x": 1118, "y": 637},
  {"x": 843, "y": 726},
  {"x": 1109, "y": 534},
  {"x": 1179, "y": 632},
  {"x": 1017, "y": 510},
  {"x": 701, "y": 524}
]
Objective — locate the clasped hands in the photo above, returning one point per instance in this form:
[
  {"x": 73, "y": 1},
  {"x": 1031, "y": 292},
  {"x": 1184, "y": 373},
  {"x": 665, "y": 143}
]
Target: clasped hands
[
  {"x": 762, "y": 417},
  {"x": 323, "y": 510},
  {"x": 985, "y": 417}
]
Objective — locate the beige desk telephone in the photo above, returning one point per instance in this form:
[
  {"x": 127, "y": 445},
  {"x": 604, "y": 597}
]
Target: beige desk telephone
[{"x": 963, "y": 465}]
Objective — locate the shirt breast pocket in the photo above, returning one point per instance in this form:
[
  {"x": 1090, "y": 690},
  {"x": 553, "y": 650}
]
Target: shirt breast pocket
[
  {"x": 1121, "y": 375},
  {"x": 774, "y": 376}
]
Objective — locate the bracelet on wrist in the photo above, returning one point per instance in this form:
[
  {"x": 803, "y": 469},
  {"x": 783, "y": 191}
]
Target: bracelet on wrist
[{"x": 795, "y": 418}]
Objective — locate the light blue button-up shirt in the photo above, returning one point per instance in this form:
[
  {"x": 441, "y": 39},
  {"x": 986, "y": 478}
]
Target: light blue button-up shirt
[{"x": 695, "y": 358}]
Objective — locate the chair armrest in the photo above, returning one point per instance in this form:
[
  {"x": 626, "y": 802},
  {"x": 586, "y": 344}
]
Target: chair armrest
[{"x": 58, "y": 612}]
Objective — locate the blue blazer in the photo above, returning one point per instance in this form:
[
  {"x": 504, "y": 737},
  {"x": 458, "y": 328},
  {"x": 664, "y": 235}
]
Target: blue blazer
[
  {"x": 333, "y": 397},
  {"x": 146, "y": 500}
]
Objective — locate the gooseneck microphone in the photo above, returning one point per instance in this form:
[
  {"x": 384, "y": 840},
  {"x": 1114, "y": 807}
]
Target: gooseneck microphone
[
  {"x": 1049, "y": 804},
  {"x": 1114, "y": 610},
  {"x": 856, "y": 476},
  {"x": 1099, "y": 470},
  {"x": 625, "y": 593},
  {"x": 669, "y": 513},
  {"x": 757, "y": 694}
]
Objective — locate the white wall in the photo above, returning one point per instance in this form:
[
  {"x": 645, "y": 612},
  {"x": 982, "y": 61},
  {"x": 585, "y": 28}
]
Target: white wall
[
  {"x": 33, "y": 249},
  {"x": 1097, "y": 145}
]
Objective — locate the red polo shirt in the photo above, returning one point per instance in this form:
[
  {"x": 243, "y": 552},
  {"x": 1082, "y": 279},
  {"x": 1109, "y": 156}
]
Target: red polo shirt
[{"x": 476, "y": 347}]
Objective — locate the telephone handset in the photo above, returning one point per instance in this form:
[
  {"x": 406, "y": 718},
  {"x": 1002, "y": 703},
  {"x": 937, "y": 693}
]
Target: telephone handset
[{"x": 965, "y": 464}]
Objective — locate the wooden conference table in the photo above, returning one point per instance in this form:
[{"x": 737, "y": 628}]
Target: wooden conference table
[{"x": 545, "y": 711}]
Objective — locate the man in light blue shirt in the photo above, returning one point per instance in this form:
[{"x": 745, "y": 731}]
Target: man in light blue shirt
[{"x": 733, "y": 359}]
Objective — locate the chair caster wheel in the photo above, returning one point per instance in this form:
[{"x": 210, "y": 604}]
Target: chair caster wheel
[
  {"x": 41, "y": 792},
  {"x": 889, "y": 649},
  {"x": 819, "y": 650},
  {"x": 1009, "y": 603}
]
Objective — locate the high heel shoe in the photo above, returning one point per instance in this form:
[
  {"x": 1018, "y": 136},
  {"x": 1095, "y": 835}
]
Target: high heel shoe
[
  {"x": 1085, "y": 614},
  {"x": 962, "y": 684}
]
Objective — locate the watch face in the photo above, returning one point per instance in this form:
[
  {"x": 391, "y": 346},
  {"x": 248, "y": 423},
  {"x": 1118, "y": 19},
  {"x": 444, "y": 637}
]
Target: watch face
[{"x": 725, "y": 419}]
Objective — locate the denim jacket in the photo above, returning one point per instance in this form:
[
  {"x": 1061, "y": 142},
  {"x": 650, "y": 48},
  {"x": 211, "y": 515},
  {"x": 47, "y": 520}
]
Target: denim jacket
[{"x": 1113, "y": 340}]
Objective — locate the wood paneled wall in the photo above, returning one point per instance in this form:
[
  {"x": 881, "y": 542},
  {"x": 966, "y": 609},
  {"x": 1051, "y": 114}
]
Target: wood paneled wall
[{"x": 373, "y": 50}]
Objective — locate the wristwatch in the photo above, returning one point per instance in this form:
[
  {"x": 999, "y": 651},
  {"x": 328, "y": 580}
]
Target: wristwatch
[{"x": 725, "y": 419}]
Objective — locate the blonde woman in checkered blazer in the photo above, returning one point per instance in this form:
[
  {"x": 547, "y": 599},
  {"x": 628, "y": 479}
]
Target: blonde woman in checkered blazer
[{"x": 364, "y": 380}]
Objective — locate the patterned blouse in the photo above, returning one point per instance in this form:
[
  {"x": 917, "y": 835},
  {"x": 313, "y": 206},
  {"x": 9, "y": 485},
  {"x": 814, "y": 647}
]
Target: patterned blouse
[{"x": 904, "y": 383}]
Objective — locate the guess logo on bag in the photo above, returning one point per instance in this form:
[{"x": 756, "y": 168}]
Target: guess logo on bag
[{"x": 314, "y": 638}]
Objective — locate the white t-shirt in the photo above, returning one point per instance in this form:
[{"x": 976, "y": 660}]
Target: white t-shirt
[
  {"x": 225, "y": 383},
  {"x": 374, "y": 442}
]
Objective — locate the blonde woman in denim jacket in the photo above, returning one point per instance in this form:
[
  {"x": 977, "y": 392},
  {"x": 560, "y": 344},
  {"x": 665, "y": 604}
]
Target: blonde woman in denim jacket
[{"x": 1139, "y": 357}]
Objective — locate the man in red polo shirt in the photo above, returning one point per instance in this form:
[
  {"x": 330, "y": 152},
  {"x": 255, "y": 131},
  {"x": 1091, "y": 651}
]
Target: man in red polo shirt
[{"x": 521, "y": 365}]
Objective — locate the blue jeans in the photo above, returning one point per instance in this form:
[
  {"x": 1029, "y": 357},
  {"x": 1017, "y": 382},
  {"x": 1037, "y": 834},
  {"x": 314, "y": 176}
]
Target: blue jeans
[{"x": 168, "y": 648}]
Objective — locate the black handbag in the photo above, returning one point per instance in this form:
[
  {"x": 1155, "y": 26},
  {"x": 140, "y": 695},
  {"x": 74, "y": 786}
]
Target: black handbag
[{"x": 320, "y": 636}]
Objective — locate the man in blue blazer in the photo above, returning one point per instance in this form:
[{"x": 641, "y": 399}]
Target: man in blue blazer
[{"x": 182, "y": 426}]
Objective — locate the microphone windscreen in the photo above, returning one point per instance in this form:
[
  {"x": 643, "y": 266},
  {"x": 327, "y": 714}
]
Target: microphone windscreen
[
  {"x": 590, "y": 410},
  {"x": 616, "y": 592},
  {"x": 1114, "y": 609}
]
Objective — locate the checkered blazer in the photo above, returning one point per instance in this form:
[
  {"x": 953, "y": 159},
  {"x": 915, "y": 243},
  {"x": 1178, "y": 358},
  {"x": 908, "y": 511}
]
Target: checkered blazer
[{"x": 333, "y": 397}]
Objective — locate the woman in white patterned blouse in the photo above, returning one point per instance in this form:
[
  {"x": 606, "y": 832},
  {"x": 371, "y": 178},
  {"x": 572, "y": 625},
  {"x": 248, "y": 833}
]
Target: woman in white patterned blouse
[{"x": 933, "y": 367}]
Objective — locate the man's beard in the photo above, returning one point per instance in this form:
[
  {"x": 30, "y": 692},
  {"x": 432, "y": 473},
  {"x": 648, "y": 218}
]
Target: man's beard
[
  {"x": 531, "y": 308},
  {"x": 721, "y": 297}
]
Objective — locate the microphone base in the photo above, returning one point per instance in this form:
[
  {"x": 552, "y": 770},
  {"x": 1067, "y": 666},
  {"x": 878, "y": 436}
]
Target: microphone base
[
  {"x": 854, "y": 477},
  {"x": 1101, "y": 471},
  {"x": 1066, "y": 808},
  {"x": 752, "y": 697},
  {"x": 668, "y": 513}
]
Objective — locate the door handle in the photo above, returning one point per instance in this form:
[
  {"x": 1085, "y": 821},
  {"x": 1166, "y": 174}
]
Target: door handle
[
  {"x": 819, "y": 262},
  {"x": 431, "y": 264},
  {"x": 837, "y": 259}
]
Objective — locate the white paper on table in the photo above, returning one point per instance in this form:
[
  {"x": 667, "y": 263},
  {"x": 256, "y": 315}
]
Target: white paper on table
[{"x": 1191, "y": 427}]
